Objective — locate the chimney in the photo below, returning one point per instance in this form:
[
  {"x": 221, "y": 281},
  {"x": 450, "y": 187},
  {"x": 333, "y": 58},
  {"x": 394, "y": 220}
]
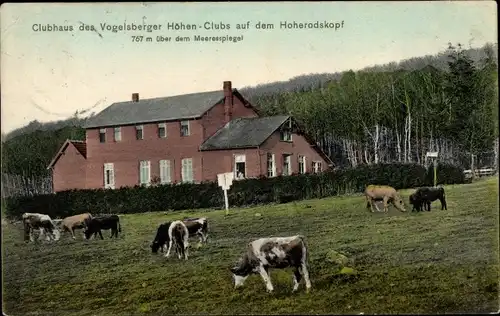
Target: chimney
[
  {"x": 135, "y": 97},
  {"x": 228, "y": 101}
]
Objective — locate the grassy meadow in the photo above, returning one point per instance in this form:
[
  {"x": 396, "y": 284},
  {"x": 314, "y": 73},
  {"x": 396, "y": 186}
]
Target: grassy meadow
[{"x": 429, "y": 262}]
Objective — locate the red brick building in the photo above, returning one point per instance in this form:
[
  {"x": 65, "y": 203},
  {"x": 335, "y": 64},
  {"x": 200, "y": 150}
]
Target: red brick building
[{"x": 184, "y": 138}]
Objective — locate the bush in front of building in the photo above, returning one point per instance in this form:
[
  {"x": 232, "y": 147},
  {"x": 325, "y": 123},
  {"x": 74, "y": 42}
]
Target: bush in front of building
[{"x": 280, "y": 189}]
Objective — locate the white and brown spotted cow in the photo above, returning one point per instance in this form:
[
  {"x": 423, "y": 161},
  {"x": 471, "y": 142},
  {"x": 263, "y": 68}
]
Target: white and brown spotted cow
[
  {"x": 277, "y": 253},
  {"x": 178, "y": 235},
  {"x": 43, "y": 223}
]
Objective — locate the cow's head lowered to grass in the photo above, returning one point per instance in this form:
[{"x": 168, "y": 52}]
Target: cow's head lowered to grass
[{"x": 273, "y": 252}]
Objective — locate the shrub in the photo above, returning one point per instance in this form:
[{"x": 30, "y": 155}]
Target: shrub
[{"x": 280, "y": 189}]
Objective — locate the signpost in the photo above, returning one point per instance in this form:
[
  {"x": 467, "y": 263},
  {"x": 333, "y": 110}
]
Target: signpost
[
  {"x": 434, "y": 155},
  {"x": 225, "y": 180}
]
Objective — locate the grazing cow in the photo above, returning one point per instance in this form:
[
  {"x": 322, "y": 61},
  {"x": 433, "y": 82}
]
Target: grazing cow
[
  {"x": 374, "y": 193},
  {"x": 195, "y": 226},
  {"x": 69, "y": 224},
  {"x": 43, "y": 223},
  {"x": 178, "y": 234},
  {"x": 96, "y": 224},
  {"x": 273, "y": 252},
  {"x": 425, "y": 196},
  {"x": 161, "y": 238}
]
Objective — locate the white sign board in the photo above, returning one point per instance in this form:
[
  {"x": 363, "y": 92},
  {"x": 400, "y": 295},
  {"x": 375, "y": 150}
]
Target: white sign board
[
  {"x": 225, "y": 180},
  {"x": 432, "y": 154}
]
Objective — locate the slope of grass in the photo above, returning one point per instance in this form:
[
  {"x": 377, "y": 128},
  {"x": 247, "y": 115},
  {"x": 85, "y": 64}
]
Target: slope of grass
[{"x": 430, "y": 262}]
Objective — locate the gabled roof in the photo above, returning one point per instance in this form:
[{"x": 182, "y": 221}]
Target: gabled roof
[
  {"x": 186, "y": 106},
  {"x": 244, "y": 133},
  {"x": 80, "y": 145},
  {"x": 253, "y": 132}
]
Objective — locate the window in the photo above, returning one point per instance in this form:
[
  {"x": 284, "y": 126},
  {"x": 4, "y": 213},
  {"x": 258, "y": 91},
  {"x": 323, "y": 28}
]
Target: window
[
  {"x": 109, "y": 176},
  {"x": 145, "y": 173},
  {"x": 302, "y": 164},
  {"x": 187, "y": 170},
  {"x": 271, "y": 166},
  {"x": 165, "y": 172},
  {"x": 184, "y": 128},
  {"x": 287, "y": 165},
  {"x": 118, "y": 134},
  {"x": 316, "y": 166},
  {"x": 139, "y": 132},
  {"x": 162, "y": 130},
  {"x": 102, "y": 135},
  {"x": 285, "y": 135},
  {"x": 239, "y": 166}
]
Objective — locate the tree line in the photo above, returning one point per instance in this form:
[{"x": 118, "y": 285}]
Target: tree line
[
  {"x": 387, "y": 113},
  {"x": 398, "y": 115}
]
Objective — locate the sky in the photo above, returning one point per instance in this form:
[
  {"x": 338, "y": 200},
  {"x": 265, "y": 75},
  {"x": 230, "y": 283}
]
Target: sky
[{"x": 48, "y": 75}]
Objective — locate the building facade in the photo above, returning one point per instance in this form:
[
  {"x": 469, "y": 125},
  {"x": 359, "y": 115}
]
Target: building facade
[{"x": 185, "y": 138}]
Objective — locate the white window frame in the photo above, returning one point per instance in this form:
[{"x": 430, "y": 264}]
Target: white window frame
[
  {"x": 145, "y": 165},
  {"x": 271, "y": 169},
  {"x": 317, "y": 166},
  {"x": 285, "y": 135},
  {"x": 303, "y": 163},
  {"x": 165, "y": 171},
  {"x": 187, "y": 173},
  {"x": 117, "y": 134},
  {"x": 164, "y": 126},
  {"x": 101, "y": 132},
  {"x": 185, "y": 123},
  {"x": 139, "y": 128},
  {"x": 285, "y": 158},
  {"x": 109, "y": 167},
  {"x": 239, "y": 159}
]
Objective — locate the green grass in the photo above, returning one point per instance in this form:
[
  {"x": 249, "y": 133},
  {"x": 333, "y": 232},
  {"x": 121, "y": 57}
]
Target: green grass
[{"x": 437, "y": 262}]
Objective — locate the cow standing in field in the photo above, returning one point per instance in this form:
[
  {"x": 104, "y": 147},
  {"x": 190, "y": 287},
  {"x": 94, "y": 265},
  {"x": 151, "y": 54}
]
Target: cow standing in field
[
  {"x": 178, "y": 236},
  {"x": 69, "y": 224},
  {"x": 425, "y": 196},
  {"x": 96, "y": 224},
  {"x": 385, "y": 193},
  {"x": 161, "y": 239},
  {"x": 195, "y": 226},
  {"x": 43, "y": 223},
  {"x": 273, "y": 252}
]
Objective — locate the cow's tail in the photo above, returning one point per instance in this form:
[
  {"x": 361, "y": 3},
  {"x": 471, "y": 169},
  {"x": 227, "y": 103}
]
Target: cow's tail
[
  {"x": 305, "y": 250},
  {"x": 119, "y": 226},
  {"x": 205, "y": 228}
]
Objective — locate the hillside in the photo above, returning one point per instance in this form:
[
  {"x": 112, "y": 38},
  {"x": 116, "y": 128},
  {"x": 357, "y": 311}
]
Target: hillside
[{"x": 304, "y": 82}]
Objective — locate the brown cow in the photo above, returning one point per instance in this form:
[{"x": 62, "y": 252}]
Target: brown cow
[
  {"x": 70, "y": 223},
  {"x": 374, "y": 193}
]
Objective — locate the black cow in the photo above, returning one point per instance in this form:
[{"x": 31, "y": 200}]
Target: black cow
[
  {"x": 424, "y": 196},
  {"x": 161, "y": 239},
  {"x": 196, "y": 227},
  {"x": 96, "y": 224}
]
